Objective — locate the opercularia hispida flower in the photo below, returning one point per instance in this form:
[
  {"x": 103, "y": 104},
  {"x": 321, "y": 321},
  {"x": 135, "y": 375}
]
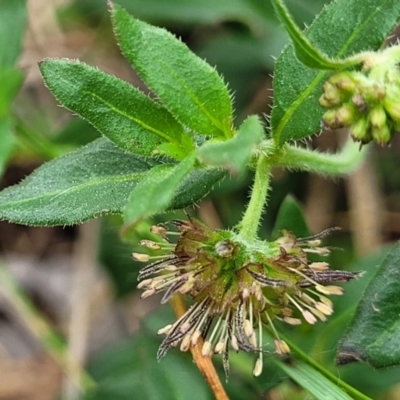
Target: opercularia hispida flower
[{"x": 237, "y": 287}]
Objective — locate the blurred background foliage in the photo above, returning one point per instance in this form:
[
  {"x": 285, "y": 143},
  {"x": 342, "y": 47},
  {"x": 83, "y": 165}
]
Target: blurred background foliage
[{"x": 83, "y": 280}]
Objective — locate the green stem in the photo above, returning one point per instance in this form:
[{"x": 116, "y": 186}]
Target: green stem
[
  {"x": 344, "y": 162},
  {"x": 50, "y": 340},
  {"x": 249, "y": 224},
  {"x": 334, "y": 379}
]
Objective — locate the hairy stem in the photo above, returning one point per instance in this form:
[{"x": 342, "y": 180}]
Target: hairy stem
[
  {"x": 204, "y": 364},
  {"x": 341, "y": 163},
  {"x": 248, "y": 226}
]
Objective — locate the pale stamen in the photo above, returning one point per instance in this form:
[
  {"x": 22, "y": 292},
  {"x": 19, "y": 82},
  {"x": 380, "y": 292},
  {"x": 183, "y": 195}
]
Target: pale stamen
[
  {"x": 306, "y": 314},
  {"x": 259, "y": 363}
]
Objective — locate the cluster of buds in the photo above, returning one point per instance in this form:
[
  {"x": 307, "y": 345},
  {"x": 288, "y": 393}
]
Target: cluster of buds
[
  {"x": 367, "y": 101},
  {"x": 237, "y": 287}
]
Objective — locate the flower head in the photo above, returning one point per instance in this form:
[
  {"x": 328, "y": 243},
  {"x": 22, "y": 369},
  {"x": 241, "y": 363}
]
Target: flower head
[
  {"x": 366, "y": 101},
  {"x": 238, "y": 287}
]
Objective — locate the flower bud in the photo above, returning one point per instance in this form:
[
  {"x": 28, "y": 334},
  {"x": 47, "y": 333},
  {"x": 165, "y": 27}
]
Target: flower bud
[
  {"x": 374, "y": 91},
  {"x": 381, "y": 135},
  {"x": 360, "y": 102},
  {"x": 359, "y": 130},
  {"x": 377, "y": 117},
  {"x": 344, "y": 79},
  {"x": 344, "y": 116},
  {"x": 329, "y": 119},
  {"x": 393, "y": 76},
  {"x": 346, "y": 84},
  {"x": 331, "y": 95},
  {"x": 392, "y": 104}
]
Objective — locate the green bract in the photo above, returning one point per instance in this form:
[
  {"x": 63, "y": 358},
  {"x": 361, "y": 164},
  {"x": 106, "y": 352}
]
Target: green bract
[
  {"x": 234, "y": 154},
  {"x": 155, "y": 192}
]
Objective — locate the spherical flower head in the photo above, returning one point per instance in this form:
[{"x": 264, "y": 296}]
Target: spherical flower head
[
  {"x": 366, "y": 101},
  {"x": 238, "y": 287}
]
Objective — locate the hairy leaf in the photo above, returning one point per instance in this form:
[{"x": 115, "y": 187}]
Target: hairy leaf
[
  {"x": 342, "y": 29},
  {"x": 118, "y": 110},
  {"x": 305, "y": 51},
  {"x": 155, "y": 192},
  {"x": 234, "y": 154},
  {"x": 374, "y": 333},
  {"x": 195, "y": 186},
  {"x": 190, "y": 88},
  {"x": 94, "y": 180}
]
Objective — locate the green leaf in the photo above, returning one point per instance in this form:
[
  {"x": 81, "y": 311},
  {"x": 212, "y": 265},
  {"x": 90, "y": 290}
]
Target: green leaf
[
  {"x": 195, "y": 186},
  {"x": 374, "y": 333},
  {"x": 290, "y": 217},
  {"x": 10, "y": 82},
  {"x": 312, "y": 380},
  {"x": 343, "y": 28},
  {"x": 13, "y": 18},
  {"x": 129, "y": 369},
  {"x": 305, "y": 51},
  {"x": 7, "y": 141},
  {"x": 94, "y": 180},
  {"x": 234, "y": 154},
  {"x": 190, "y": 88},
  {"x": 155, "y": 192},
  {"x": 119, "y": 111}
]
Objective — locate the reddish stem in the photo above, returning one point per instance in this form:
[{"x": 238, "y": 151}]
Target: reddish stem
[{"x": 204, "y": 364}]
